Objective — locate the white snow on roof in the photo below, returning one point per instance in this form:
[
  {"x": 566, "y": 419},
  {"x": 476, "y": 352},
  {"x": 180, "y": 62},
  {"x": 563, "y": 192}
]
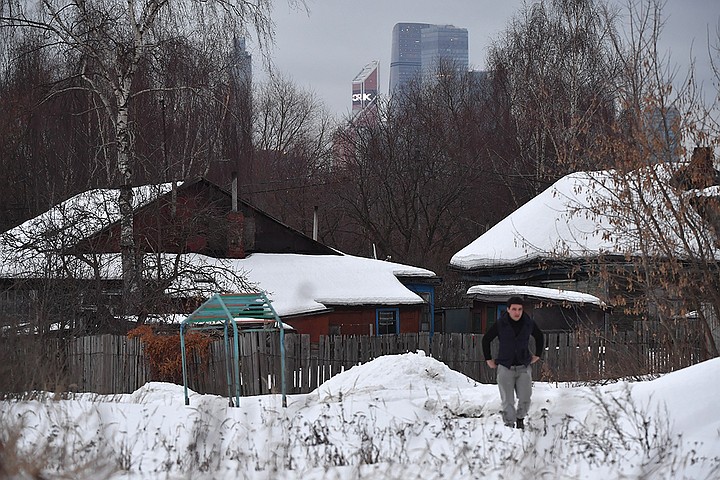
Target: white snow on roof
[
  {"x": 32, "y": 246},
  {"x": 178, "y": 318},
  {"x": 77, "y": 217},
  {"x": 507, "y": 291},
  {"x": 561, "y": 222},
  {"x": 298, "y": 284},
  {"x": 711, "y": 191},
  {"x": 540, "y": 226}
]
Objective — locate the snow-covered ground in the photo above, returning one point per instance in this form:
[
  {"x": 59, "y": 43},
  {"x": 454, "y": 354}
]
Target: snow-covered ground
[{"x": 397, "y": 417}]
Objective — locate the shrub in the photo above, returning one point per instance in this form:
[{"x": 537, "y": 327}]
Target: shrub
[{"x": 163, "y": 353}]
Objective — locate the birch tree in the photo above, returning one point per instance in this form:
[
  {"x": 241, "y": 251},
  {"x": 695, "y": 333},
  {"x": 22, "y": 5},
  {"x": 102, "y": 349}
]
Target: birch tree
[{"x": 111, "y": 41}]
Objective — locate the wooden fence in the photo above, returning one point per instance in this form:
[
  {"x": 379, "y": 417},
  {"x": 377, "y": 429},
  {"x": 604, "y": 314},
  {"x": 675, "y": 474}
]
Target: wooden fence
[{"x": 116, "y": 364}]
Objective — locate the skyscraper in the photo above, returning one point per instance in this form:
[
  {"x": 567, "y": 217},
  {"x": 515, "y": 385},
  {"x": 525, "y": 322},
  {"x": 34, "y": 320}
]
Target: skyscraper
[
  {"x": 443, "y": 43},
  {"x": 242, "y": 62},
  {"x": 417, "y": 48},
  {"x": 405, "y": 56},
  {"x": 365, "y": 87}
]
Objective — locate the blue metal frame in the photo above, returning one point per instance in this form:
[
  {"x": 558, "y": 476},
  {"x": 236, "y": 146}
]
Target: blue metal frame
[
  {"x": 422, "y": 288},
  {"x": 222, "y": 310}
]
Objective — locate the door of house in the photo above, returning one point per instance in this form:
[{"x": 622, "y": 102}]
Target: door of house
[{"x": 425, "y": 313}]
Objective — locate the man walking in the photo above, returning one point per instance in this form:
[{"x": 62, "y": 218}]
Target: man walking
[{"x": 514, "y": 360}]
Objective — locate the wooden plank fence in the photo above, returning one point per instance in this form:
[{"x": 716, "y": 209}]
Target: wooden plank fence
[
  {"x": 105, "y": 364},
  {"x": 116, "y": 364}
]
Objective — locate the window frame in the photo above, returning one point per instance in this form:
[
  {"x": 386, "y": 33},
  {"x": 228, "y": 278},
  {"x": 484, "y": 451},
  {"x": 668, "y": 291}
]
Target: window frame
[{"x": 396, "y": 315}]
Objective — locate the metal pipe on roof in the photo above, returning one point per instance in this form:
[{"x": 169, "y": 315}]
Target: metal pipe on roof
[
  {"x": 234, "y": 191},
  {"x": 315, "y": 223}
]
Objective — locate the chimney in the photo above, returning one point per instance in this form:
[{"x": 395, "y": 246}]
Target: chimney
[
  {"x": 234, "y": 192},
  {"x": 235, "y": 225},
  {"x": 315, "y": 222}
]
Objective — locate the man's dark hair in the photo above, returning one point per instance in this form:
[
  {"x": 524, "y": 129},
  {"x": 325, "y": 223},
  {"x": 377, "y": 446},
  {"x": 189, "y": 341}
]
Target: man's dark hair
[{"x": 515, "y": 301}]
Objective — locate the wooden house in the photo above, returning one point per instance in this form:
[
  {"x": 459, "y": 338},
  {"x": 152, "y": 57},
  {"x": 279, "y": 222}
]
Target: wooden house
[
  {"x": 192, "y": 240},
  {"x": 201, "y": 217},
  {"x": 563, "y": 238},
  {"x": 553, "y": 310}
]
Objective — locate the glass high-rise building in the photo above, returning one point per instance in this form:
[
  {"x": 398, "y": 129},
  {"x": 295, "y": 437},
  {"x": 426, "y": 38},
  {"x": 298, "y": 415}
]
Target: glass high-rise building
[
  {"x": 242, "y": 62},
  {"x": 443, "y": 43},
  {"x": 406, "y": 53},
  {"x": 417, "y": 48}
]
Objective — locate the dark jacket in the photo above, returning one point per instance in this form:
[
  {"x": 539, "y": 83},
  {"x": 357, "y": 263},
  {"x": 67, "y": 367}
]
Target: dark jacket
[{"x": 514, "y": 338}]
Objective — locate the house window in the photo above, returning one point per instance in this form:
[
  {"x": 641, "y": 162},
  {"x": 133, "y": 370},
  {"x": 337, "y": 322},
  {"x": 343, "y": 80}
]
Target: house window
[{"x": 387, "y": 321}]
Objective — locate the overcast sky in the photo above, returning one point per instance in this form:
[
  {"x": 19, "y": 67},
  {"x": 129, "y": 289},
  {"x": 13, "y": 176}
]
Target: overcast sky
[{"x": 324, "y": 49}]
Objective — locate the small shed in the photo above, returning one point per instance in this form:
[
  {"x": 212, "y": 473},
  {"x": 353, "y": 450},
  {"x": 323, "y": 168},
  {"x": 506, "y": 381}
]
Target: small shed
[
  {"x": 552, "y": 309},
  {"x": 232, "y": 313}
]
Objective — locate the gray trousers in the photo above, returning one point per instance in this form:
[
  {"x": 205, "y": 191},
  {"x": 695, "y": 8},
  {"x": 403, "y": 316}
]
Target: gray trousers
[{"x": 511, "y": 381}]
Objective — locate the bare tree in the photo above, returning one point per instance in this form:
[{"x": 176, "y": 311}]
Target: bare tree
[
  {"x": 292, "y": 141},
  {"x": 555, "y": 66},
  {"x": 659, "y": 205},
  {"x": 678, "y": 266},
  {"x": 414, "y": 172},
  {"x": 44, "y": 139}
]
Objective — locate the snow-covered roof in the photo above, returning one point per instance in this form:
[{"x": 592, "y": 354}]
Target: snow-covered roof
[
  {"x": 574, "y": 218},
  {"x": 711, "y": 191},
  {"x": 76, "y": 218},
  {"x": 177, "y": 318},
  {"x": 296, "y": 284},
  {"x": 503, "y": 292},
  {"x": 299, "y": 284}
]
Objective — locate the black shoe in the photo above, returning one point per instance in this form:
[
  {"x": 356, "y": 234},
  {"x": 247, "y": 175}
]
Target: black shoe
[{"x": 519, "y": 424}]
